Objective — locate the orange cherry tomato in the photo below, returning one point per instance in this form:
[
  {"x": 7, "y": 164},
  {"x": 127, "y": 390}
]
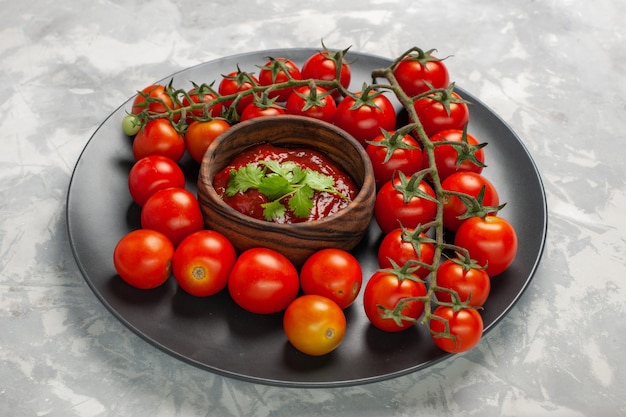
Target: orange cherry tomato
[{"x": 314, "y": 325}]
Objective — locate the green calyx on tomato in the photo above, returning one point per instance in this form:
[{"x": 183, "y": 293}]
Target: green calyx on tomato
[
  {"x": 406, "y": 271},
  {"x": 391, "y": 142},
  {"x": 423, "y": 57},
  {"x": 475, "y": 207},
  {"x": 264, "y": 101},
  {"x": 465, "y": 151},
  {"x": 416, "y": 237},
  {"x": 314, "y": 97},
  {"x": 366, "y": 97},
  {"x": 278, "y": 181},
  {"x": 447, "y": 97},
  {"x": 410, "y": 187}
]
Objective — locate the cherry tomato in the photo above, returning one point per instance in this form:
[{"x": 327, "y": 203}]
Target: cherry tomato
[
  {"x": 258, "y": 109},
  {"x": 317, "y": 103},
  {"x": 391, "y": 152},
  {"x": 417, "y": 70},
  {"x": 263, "y": 281},
  {"x": 273, "y": 73},
  {"x": 465, "y": 327},
  {"x": 403, "y": 202},
  {"x": 202, "y": 94},
  {"x": 161, "y": 104},
  {"x": 314, "y": 325},
  {"x": 143, "y": 258},
  {"x": 202, "y": 263},
  {"x": 470, "y": 282},
  {"x": 399, "y": 246},
  {"x": 323, "y": 66},
  {"x": 435, "y": 117},
  {"x": 200, "y": 135},
  {"x": 234, "y": 83},
  {"x": 384, "y": 290},
  {"x": 158, "y": 137},
  {"x": 364, "y": 117},
  {"x": 332, "y": 273},
  {"x": 469, "y": 183},
  {"x": 151, "y": 174},
  {"x": 175, "y": 212},
  {"x": 450, "y": 158},
  {"x": 491, "y": 241},
  {"x": 131, "y": 124}
]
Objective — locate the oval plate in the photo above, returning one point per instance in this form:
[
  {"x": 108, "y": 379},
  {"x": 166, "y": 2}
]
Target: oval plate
[{"x": 215, "y": 334}]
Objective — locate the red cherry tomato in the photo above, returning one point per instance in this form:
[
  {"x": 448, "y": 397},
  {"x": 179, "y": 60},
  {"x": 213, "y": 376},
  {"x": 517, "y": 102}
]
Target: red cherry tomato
[
  {"x": 435, "y": 117},
  {"x": 469, "y": 183},
  {"x": 273, "y": 73},
  {"x": 143, "y": 258},
  {"x": 234, "y": 83},
  {"x": 391, "y": 152},
  {"x": 263, "y": 281},
  {"x": 334, "y": 274},
  {"x": 363, "y": 117},
  {"x": 465, "y": 328},
  {"x": 317, "y": 103},
  {"x": 491, "y": 241},
  {"x": 416, "y": 71},
  {"x": 392, "y": 210},
  {"x": 323, "y": 66},
  {"x": 256, "y": 109},
  {"x": 450, "y": 158},
  {"x": 158, "y": 137},
  {"x": 151, "y": 174},
  {"x": 202, "y": 94},
  {"x": 160, "y": 100},
  {"x": 314, "y": 325},
  {"x": 469, "y": 282},
  {"x": 175, "y": 212},
  {"x": 398, "y": 246},
  {"x": 383, "y": 291},
  {"x": 202, "y": 263},
  {"x": 200, "y": 135}
]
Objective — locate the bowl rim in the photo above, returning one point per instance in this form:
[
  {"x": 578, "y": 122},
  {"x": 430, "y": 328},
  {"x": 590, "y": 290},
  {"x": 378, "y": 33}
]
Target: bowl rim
[{"x": 361, "y": 197}]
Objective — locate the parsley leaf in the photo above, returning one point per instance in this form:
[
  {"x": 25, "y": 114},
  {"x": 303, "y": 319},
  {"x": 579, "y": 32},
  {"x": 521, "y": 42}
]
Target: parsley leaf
[
  {"x": 319, "y": 182},
  {"x": 284, "y": 169},
  {"x": 274, "y": 210},
  {"x": 275, "y": 186},
  {"x": 301, "y": 202},
  {"x": 248, "y": 176}
]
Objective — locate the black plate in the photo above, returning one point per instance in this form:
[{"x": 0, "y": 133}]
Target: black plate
[{"x": 213, "y": 333}]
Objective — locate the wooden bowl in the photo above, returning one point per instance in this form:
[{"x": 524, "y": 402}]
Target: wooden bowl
[{"x": 297, "y": 241}]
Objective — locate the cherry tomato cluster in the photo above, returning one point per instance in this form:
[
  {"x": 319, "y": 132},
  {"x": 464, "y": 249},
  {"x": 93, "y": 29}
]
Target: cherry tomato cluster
[{"x": 429, "y": 178}]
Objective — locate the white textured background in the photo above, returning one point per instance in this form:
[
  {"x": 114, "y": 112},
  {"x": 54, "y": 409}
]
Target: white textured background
[{"x": 554, "y": 70}]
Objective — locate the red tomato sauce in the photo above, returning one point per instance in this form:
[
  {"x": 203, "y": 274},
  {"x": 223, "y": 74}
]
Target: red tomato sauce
[{"x": 324, "y": 203}]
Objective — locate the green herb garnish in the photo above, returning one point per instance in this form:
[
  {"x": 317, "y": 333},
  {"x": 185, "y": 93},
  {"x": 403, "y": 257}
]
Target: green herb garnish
[{"x": 280, "y": 180}]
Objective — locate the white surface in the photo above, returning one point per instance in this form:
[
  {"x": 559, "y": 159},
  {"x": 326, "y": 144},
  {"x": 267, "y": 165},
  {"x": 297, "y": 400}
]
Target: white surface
[{"x": 553, "y": 70}]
